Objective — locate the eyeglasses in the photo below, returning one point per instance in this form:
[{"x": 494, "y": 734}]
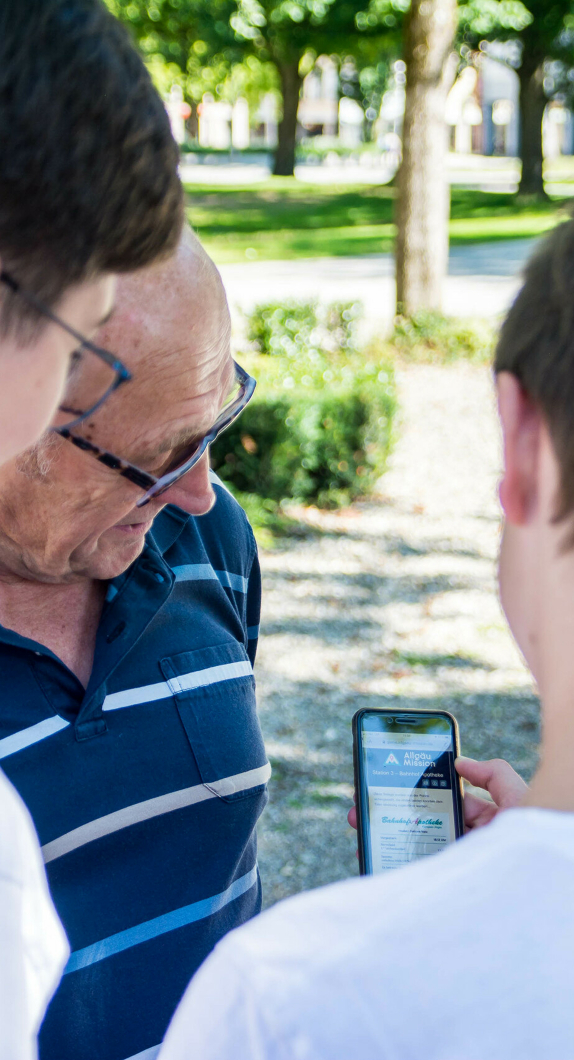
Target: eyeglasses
[
  {"x": 93, "y": 375},
  {"x": 185, "y": 459}
]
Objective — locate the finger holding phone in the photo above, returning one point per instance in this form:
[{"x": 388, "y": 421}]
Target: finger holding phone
[{"x": 504, "y": 787}]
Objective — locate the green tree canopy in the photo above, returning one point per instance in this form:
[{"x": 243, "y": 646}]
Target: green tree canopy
[
  {"x": 229, "y": 47},
  {"x": 205, "y": 39}
]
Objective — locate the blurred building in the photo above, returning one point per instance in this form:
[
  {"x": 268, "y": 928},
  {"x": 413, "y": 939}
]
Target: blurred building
[
  {"x": 482, "y": 112},
  {"x": 222, "y": 125},
  {"x": 178, "y": 111},
  {"x": 321, "y": 113},
  {"x": 483, "y": 108},
  {"x": 318, "y": 112},
  {"x": 264, "y": 127}
]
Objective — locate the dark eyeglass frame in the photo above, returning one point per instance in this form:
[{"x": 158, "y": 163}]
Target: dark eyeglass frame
[
  {"x": 153, "y": 485},
  {"x": 122, "y": 373}
]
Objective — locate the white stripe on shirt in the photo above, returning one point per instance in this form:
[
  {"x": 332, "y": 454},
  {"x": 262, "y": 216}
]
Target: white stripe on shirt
[
  {"x": 164, "y": 689},
  {"x": 144, "y": 811}
]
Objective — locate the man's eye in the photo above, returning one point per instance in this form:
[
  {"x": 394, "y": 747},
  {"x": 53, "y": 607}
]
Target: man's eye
[{"x": 179, "y": 457}]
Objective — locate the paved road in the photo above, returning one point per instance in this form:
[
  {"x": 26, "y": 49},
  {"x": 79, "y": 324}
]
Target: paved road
[
  {"x": 483, "y": 278},
  {"x": 248, "y": 173},
  {"x": 469, "y": 171}
]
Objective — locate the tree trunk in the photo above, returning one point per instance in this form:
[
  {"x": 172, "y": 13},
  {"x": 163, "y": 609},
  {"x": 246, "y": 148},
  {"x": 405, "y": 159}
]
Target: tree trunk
[
  {"x": 532, "y": 105},
  {"x": 423, "y": 189},
  {"x": 290, "y": 87}
]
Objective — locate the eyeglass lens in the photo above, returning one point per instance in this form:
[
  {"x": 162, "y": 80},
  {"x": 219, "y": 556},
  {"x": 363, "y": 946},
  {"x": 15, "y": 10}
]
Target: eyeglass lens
[
  {"x": 88, "y": 383},
  {"x": 92, "y": 376}
]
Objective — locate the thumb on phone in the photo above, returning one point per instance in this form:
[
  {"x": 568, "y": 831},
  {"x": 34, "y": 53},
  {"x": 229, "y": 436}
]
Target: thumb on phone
[{"x": 497, "y": 777}]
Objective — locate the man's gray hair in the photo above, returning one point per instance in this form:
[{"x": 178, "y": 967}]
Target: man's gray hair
[{"x": 36, "y": 461}]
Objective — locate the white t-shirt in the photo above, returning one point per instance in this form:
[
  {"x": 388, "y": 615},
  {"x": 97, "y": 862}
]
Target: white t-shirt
[
  {"x": 467, "y": 955},
  {"x": 33, "y": 946}
]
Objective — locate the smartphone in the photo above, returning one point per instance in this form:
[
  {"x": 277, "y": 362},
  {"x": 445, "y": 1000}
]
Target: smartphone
[{"x": 409, "y": 795}]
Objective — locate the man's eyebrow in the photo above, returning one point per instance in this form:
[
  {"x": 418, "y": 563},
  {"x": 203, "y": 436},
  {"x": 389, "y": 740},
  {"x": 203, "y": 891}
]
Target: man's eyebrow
[{"x": 175, "y": 441}]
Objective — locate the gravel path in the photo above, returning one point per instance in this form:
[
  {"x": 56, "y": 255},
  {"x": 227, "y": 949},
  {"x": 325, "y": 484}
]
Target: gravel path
[{"x": 391, "y": 602}]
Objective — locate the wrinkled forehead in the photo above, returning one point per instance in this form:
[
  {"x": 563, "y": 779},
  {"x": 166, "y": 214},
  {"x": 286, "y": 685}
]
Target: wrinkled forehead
[{"x": 172, "y": 329}]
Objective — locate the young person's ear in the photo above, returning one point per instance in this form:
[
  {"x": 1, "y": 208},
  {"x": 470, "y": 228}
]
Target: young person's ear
[{"x": 521, "y": 424}]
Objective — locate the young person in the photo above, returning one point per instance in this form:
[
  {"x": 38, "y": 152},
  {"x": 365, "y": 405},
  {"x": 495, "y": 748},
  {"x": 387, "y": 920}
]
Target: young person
[
  {"x": 468, "y": 954},
  {"x": 88, "y": 189}
]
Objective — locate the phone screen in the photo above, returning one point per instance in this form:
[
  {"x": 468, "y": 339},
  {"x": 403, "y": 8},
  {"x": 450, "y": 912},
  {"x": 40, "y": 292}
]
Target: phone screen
[{"x": 408, "y": 786}]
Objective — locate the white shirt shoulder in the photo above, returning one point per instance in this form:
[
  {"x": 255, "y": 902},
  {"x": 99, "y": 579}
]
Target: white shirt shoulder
[
  {"x": 33, "y": 945},
  {"x": 404, "y": 965}
]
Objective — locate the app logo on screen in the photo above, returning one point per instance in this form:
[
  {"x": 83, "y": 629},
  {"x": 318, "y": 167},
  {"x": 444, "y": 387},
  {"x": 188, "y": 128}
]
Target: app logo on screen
[{"x": 391, "y": 759}]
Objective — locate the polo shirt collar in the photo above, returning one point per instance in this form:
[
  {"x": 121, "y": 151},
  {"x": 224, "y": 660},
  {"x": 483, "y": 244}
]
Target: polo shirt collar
[
  {"x": 167, "y": 527},
  {"x": 140, "y": 593}
]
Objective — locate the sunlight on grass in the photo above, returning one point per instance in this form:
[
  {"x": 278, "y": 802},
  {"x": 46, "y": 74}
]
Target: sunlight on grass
[
  {"x": 283, "y": 219},
  {"x": 287, "y": 244}
]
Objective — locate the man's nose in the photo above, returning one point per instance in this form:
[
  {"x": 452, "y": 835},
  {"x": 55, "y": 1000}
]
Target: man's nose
[{"x": 194, "y": 492}]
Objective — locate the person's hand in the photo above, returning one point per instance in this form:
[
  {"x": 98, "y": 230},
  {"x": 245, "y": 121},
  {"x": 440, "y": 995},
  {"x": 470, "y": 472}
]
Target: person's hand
[{"x": 505, "y": 787}]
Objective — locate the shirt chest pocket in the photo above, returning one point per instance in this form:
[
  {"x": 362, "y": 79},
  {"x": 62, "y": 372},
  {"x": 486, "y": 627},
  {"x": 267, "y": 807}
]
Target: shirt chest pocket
[{"x": 214, "y": 691}]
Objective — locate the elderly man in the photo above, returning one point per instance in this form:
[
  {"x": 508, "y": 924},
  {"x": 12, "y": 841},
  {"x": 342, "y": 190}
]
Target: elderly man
[{"x": 127, "y": 638}]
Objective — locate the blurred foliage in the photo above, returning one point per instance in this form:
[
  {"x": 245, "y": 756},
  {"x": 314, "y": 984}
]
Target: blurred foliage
[
  {"x": 321, "y": 424},
  {"x": 251, "y": 79},
  {"x": 232, "y": 47},
  {"x": 317, "y": 148},
  {"x": 192, "y": 43},
  {"x": 429, "y": 336},
  {"x": 293, "y": 327},
  {"x": 281, "y": 329},
  {"x": 193, "y": 149},
  {"x": 271, "y": 521},
  {"x": 248, "y": 47},
  {"x": 542, "y": 27},
  {"x": 481, "y": 18},
  {"x": 318, "y": 430},
  {"x": 188, "y": 33},
  {"x": 286, "y": 29}
]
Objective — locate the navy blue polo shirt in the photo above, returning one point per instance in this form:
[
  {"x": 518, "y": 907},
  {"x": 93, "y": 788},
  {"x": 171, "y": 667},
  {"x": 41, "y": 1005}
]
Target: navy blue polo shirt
[{"x": 145, "y": 788}]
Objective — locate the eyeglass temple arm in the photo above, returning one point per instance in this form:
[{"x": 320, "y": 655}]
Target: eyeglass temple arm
[
  {"x": 104, "y": 355},
  {"x": 129, "y": 471}
]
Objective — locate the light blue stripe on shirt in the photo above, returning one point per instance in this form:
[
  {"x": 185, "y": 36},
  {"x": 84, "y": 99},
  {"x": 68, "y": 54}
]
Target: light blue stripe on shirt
[
  {"x": 148, "y": 1054},
  {"x": 32, "y": 734},
  {"x": 150, "y": 929},
  {"x": 203, "y": 572},
  {"x": 232, "y": 581}
]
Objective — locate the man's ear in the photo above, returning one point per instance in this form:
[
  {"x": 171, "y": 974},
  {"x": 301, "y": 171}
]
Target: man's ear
[{"x": 521, "y": 430}]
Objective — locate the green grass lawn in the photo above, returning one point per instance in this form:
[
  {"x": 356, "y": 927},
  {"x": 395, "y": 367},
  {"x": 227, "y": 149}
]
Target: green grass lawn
[{"x": 283, "y": 218}]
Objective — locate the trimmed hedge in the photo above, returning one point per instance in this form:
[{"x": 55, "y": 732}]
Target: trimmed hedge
[
  {"x": 295, "y": 328},
  {"x": 318, "y": 429},
  {"x": 430, "y": 336}
]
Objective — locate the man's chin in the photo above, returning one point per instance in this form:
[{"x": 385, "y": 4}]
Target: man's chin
[{"x": 114, "y": 555}]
